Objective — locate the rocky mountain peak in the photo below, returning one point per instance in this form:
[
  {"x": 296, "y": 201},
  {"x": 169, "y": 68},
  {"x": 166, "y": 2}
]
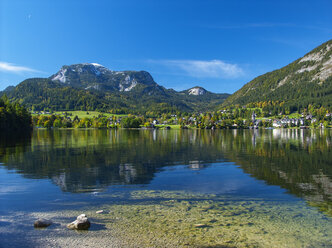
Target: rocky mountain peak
[
  {"x": 93, "y": 76},
  {"x": 320, "y": 59},
  {"x": 197, "y": 91},
  {"x": 66, "y": 72}
]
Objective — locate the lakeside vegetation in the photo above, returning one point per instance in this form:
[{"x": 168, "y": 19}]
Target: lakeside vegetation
[
  {"x": 260, "y": 114},
  {"x": 13, "y": 117},
  {"x": 78, "y": 113},
  {"x": 266, "y": 114}
]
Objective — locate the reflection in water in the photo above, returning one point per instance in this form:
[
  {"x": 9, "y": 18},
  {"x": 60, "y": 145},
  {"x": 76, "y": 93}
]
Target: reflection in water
[{"x": 90, "y": 160}]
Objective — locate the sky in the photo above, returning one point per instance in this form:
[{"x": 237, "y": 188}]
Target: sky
[{"x": 217, "y": 44}]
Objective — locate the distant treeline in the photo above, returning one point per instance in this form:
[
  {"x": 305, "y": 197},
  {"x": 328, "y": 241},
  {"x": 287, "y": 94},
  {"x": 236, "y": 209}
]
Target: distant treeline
[
  {"x": 14, "y": 117},
  {"x": 101, "y": 121},
  {"x": 262, "y": 114}
]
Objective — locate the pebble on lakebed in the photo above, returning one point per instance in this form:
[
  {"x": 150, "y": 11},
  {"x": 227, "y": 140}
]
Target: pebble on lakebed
[
  {"x": 81, "y": 223},
  {"x": 200, "y": 225},
  {"x": 42, "y": 223},
  {"x": 102, "y": 212}
]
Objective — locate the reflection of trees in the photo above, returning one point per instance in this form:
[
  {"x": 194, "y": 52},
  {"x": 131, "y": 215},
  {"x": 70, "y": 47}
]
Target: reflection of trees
[
  {"x": 296, "y": 160},
  {"x": 87, "y": 160},
  {"x": 12, "y": 145}
]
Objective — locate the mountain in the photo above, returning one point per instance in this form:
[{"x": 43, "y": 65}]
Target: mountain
[
  {"x": 9, "y": 88},
  {"x": 196, "y": 91},
  {"x": 97, "y": 77},
  {"x": 307, "y": 80},
  {"x": 91, "y": 86}
]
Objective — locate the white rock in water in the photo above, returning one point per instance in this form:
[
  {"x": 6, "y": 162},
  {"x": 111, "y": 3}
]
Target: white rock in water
[
  {"x": 81, "y": 223},
  {"x": 42, "y": 223},
  {"x": 100, "y": 212}
]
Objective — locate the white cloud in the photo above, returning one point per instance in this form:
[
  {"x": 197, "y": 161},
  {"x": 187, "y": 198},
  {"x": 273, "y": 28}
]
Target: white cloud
[
  {"x": 9, "y": 67},
  {"x": 206, "y": 68}
]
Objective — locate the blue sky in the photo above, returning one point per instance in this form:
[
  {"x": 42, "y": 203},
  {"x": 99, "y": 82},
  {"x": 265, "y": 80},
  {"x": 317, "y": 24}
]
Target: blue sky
[{"x": 219, "y": 45}]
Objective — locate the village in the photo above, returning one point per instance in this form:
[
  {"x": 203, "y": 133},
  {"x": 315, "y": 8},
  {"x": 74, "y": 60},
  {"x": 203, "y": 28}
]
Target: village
[{"x": 217, "y": 120}]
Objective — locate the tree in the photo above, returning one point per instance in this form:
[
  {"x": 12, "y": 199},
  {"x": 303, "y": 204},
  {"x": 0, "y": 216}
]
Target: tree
[
  {"x": 48, "y": 124},
  {"x": 130, "y": 122},
  {"x": 57, "y": 123}
]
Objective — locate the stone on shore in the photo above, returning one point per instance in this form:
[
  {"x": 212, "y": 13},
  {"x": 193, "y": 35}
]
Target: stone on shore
[
  {"x": 81, "y": 223},
  {"x": 42, "y": 223}
]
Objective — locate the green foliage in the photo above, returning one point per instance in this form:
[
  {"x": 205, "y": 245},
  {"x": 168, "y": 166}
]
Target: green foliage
[
  {"x": 42, "y": 94},
  {"x": 130, "y": 122},
  {"x": 13, "y": 117},
  {"x": 58, "y": 121}
]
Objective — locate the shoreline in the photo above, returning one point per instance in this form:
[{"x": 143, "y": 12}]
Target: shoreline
[
  {"x": 176, "y": 219},
  {"x": 192, "y": 128}
]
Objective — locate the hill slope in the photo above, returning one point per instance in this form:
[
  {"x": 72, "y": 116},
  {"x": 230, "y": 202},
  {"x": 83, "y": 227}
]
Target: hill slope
[
  {"x": 94, "y": 87},
  {"x": 305, "y": 81}
]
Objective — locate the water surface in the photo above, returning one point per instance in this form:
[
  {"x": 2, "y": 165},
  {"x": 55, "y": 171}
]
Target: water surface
[{"x": 230, "y": 188}]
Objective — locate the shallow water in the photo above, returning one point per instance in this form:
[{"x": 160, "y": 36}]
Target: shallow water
[{"x": 221, "y": 188}]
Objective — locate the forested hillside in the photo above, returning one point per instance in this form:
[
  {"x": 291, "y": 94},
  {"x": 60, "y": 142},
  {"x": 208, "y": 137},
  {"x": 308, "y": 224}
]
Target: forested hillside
[
  {"x": 307, "y": 80},
  {"x": 94, "y": 87}
]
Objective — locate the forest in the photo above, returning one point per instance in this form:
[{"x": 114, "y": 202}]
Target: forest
[{"x": 14, "y": 117}]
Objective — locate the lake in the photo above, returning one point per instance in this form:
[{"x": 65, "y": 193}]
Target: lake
[{"x": 168, "y": 188}]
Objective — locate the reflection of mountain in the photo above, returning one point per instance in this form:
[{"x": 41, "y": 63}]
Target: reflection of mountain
[
  {"x": 90, "y": 160},
  {"x": 124, "y": 173},
  {"x": 196, "y": 165}
]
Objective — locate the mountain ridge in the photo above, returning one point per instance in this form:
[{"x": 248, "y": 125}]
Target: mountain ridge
[
  {"x": 307, "y": 80},
  {"x": 91, "y": 86}
]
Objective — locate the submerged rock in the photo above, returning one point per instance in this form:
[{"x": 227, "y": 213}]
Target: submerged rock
[
  {"x": 42, "y": 223},
  {"x": 81, "y": 223},
  {"x": 200, "y": 225}
]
